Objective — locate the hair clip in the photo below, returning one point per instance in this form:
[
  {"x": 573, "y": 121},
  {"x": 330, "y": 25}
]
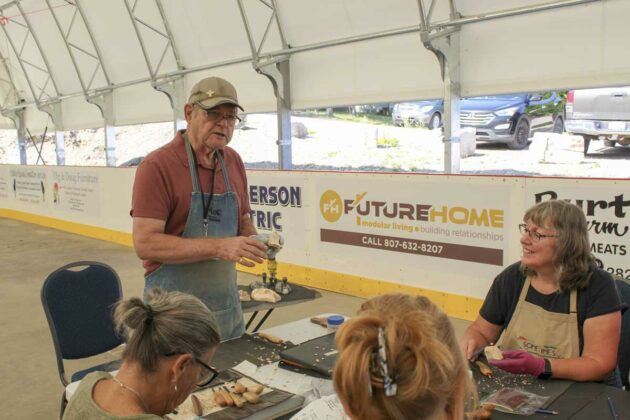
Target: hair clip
[{"x": 388, "y": 383}]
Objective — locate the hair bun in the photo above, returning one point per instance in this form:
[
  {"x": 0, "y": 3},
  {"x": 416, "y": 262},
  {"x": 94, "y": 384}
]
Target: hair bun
[{"x": 150, "y": 315}]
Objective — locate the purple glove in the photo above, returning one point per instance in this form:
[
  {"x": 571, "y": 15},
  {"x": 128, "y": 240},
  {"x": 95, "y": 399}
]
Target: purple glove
[{"x": 520, "y": 361}]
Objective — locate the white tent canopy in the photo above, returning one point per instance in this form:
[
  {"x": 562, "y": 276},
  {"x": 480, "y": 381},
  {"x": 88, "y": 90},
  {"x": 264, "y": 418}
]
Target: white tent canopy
[
  {"x": 339, "y": 52},
  {"x": 577, "y": 46}
]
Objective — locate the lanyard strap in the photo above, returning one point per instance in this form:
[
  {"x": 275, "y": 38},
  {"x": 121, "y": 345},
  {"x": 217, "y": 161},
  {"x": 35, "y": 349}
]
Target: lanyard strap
[{"x": 206, "y": 207}]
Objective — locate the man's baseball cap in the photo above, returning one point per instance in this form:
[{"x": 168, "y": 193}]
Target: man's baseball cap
[{"x": 213, "y": 91}]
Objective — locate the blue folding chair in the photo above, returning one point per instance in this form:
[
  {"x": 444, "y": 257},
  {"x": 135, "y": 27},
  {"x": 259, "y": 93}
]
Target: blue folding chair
[{"x": 78, "y": 299}]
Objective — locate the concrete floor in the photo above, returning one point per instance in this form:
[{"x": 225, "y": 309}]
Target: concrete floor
[{"x": 28, "y": 374}]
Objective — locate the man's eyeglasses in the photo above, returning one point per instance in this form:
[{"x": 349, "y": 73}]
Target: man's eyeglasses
[
  {"x": 534, "y": 235},
  {"x": 216, "y": 116},
  {"x": 207, "y": 374}
]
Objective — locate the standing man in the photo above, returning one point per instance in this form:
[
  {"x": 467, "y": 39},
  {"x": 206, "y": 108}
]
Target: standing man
[{"x": 190, "y": 208}]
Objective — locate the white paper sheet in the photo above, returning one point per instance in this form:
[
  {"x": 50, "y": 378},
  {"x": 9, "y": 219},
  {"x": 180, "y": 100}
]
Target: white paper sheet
[{"x": 326, "y": 408}]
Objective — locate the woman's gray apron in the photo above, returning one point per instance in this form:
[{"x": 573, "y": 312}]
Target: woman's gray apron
[{"x": 213, "y": 281}]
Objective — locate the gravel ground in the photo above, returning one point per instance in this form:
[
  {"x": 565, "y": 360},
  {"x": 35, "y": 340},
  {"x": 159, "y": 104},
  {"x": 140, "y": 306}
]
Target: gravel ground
[{"x": 346, "y": 146}]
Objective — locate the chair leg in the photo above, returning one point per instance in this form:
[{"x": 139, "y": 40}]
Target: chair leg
[{"x": 64, "y": 402}]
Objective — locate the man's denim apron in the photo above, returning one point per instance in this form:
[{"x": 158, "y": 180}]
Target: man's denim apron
[{"x": 213, "y": 281}]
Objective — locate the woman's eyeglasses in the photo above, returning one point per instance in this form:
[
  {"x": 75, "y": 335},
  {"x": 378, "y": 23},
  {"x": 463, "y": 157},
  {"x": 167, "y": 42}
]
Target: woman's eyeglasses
[
  {"x": 207, "y": 374},
  {"x": 534, "y": 235}
]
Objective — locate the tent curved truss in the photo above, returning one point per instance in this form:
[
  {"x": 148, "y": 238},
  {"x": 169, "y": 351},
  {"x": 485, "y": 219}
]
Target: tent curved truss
[{"x": 136, "y": 59}]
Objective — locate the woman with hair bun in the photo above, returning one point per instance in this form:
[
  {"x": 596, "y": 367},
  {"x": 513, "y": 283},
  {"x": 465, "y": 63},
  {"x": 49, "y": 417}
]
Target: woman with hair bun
[
  {"x": 170, "y": 341},
  {"x": 399, "y": 359}
]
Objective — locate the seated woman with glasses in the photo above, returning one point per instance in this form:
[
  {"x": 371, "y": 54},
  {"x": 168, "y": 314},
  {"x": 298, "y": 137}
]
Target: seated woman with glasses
[
  {"x": 398, "y": 359},
  {"x": 554, "y": 313},
  {"x": 169, "y": 343}
]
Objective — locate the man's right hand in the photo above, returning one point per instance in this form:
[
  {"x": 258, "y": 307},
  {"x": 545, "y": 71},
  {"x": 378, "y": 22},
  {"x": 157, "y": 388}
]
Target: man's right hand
[{"x": 243, "y": 250}]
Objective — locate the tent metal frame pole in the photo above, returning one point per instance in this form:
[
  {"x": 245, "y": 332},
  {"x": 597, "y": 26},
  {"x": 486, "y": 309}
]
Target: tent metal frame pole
[
  {"x": 95, "y": 55},
  {"x": 51, "y": 105},
  {"x": 105, "y": 102},
  {"x": 277, "y": 71},
  {"x": 55, "y": 110},
  {"x": 39, "y": 46},
  {"x": 13, "y": 93},
  {"x": 271, "y": 57},
  {"x": 442, "y": 38},
  {"x": 286, "y": 51},
  {"x": 166, "y": 33},
  {"x": 518, "y": 11},
  {"x": 94, "y": 44},
  {"x": 171, "y": 84},
  {"x": 36, "y": 96},
  {"x": 16, "y": 114},
  {"x": 283, "y": 97}
]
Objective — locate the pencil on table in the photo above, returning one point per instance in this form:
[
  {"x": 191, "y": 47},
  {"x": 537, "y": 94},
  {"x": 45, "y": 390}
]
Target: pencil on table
[
  {"x": 543, "y": 411},
  {"x": 612, "y": 409}
]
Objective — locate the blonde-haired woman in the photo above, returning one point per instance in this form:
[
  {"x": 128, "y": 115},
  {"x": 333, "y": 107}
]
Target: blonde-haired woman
[
  {"x": 399, "y": 359},
  {"x": 170, "y": 341}
]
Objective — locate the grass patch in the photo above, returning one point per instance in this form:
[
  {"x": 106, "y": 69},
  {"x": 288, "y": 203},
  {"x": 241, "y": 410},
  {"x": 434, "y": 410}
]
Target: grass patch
[
  {"x": 364, "y": 118},
  {"x": 387, "y": 142},
  {"x": 347, "y": 116}
]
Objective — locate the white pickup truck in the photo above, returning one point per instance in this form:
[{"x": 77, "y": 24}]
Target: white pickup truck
[{"x": 599, "y": 114}]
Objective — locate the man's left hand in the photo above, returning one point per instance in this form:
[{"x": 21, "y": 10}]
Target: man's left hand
[
  {"x": 520, "y": 361},
  {"x": 272, "y": 249}
]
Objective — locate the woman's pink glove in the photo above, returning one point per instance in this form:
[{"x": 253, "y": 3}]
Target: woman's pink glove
[{"x": 520, "y": 361}]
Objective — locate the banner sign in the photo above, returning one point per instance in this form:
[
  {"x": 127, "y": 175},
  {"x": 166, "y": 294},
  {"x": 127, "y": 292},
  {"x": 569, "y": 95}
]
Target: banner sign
[
  {"x": 606, "y": 205},
  {"x": 419, "y": 223},
  {"x": 76, "y": 191},
  {"x": 4, "y": 183},
  {"x": 29, "y": 185}
]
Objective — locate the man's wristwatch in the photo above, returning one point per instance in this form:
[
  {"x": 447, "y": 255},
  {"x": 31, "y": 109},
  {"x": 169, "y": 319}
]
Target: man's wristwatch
[{"x": 546, "y": 374}]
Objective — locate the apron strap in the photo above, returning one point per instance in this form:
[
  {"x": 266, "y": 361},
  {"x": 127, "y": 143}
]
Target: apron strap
[
  {"x": 226, "y": 177},
  {"x": 193, "y": 173},
  {"x": 192, "y": 166},
  {"x": 524, "y": 290},
  {"x": 573, "y": 302}
]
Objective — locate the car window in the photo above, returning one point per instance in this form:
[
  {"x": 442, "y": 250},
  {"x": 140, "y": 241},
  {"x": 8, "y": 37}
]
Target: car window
[{"x": 542, "y": 97}]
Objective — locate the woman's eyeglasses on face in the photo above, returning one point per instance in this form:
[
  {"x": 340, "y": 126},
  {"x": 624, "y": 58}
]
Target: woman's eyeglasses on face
[
  {"x": 534, "y": 235},
  {"x": 216, "y": 116},
  {"x": 207, "y": 374}
]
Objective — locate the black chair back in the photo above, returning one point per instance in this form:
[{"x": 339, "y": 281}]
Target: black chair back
[{"x": 78, "y": 299}]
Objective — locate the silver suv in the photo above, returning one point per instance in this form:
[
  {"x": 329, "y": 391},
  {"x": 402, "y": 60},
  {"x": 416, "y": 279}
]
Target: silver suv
[
  {"x": 599, "y": 114},
  {"x": 419, "y": 114}
]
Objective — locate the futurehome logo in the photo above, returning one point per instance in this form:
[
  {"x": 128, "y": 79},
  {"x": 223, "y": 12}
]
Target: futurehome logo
[
  {"x": 397, "y": 226},
  {"x": 330, "y": 206}
]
